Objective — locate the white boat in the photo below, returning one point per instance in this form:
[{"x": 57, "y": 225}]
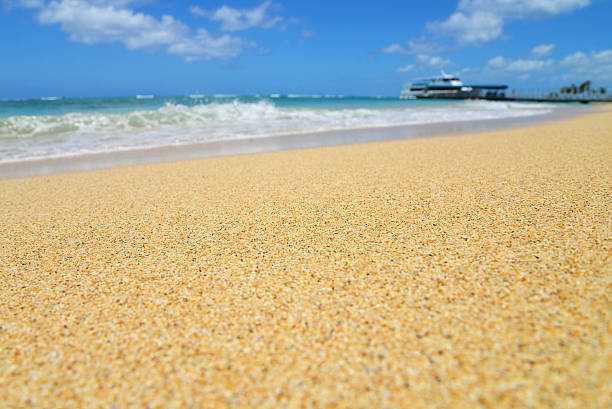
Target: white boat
[{"x": 449, "y": 86}]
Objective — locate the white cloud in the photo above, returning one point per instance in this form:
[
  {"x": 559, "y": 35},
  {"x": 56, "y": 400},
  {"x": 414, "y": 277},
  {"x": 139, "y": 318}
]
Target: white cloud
[
  {"x": 422, "y": 45},
  {"x": 470, "y": 28},
  {"x": 205, "y": 46},
  {"x": 394, "y": 49},
  {"x": 497, "y": 62},
  {"x": 415, "y": 46},
  {"x": 520, "y": 65},
  {"x": 542, "y": 50},
  {"x": 232, "y": 19},
  {"x": 406, "y": 68},
  {"x": 597, "y": 64},
  {"x": 476, "y": 22},
  {"x": 90, "y": 23},
  {"x": 578, "y": 59},
  {"x": 425, "y": 61},
  {"x": 579, "y": 66},
  {"x": 433, "y": 60},
  {"x": 107, "y": 21},
  {"x": 481, "y": 21},
  {"x": 523, "y": 8}
]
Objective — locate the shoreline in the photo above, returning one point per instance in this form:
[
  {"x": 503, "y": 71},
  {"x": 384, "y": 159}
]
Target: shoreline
[{"x": 145, "y": 156}]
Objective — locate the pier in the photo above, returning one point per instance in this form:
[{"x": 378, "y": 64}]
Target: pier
[
  {"x": 548, "y": 96},
  {"x": 450, "y": 87},
  {"x": 527, "y": 97}
]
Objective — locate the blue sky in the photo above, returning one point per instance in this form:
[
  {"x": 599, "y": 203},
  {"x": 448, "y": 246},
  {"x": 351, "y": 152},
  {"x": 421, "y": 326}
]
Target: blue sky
[{"x": 127, "y": 47}]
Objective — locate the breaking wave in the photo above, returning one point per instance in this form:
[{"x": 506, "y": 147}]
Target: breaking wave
[{"x": 25, "y": 137}]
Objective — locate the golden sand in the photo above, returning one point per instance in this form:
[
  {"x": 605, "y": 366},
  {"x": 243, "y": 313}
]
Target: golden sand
[{"x": 457, "y": 272}]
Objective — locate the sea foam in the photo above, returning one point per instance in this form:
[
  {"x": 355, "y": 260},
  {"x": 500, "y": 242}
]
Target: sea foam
[{"x": 24, "y": 137}]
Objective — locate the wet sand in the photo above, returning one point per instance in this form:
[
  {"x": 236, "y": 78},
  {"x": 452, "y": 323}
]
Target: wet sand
[{"x": 453, "y": 272}]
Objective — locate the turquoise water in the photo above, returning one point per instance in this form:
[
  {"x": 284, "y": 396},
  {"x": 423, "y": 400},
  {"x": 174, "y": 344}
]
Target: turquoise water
[
  {"x": 59, "y": 127},
  {"x": 62, "y": 106}
]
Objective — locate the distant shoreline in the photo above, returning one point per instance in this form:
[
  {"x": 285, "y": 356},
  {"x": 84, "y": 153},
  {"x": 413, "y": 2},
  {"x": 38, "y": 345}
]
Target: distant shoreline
[{"x": 95, "y": 161}]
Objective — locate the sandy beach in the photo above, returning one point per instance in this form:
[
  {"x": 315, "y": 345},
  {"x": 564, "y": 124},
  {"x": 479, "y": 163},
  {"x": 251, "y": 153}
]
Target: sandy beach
[{"x": 450, "y": 272}]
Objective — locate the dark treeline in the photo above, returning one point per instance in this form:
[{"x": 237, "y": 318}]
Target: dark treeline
[{"x": 584, "y": 88}]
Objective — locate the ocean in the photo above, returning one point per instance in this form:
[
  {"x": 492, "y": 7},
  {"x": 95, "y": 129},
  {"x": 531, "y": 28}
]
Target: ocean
[{"x": 32, "y": 129}]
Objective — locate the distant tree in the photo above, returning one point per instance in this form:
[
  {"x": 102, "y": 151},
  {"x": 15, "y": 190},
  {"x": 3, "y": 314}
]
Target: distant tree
[{"x": 584, "y": 87}]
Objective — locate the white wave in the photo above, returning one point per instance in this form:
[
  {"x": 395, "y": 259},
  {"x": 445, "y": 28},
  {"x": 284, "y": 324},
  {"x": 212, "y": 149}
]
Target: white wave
[
  {"x": 313, "y": 96},
  {"x": 27, "y": 137}
]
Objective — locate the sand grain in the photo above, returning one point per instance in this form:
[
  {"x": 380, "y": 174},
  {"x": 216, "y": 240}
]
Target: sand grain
[{"x": 460, "y": 272}]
